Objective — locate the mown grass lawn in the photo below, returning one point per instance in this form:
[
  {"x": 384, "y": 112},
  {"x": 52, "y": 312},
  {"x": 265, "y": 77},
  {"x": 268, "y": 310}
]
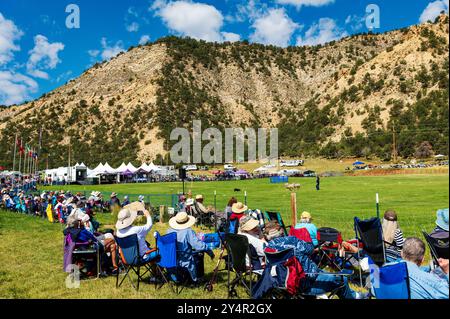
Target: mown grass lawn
[{"x": 31, "y": 248}]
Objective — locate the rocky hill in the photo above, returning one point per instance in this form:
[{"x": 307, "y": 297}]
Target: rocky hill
[{"x": 345, "y": 98}]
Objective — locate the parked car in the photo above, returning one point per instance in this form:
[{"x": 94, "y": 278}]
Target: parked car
[
  {"x": 190, "y": 167},
  {"x": 309, "y": 173},
  {"x": 228, "y": 167},
  {"x": 291, "y": 163}
]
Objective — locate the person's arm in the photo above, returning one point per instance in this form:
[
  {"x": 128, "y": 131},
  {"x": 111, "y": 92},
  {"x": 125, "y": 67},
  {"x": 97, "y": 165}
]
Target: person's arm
[
  {"x": 148, "y": 226},
  {"x": 443, "y": 264},
  {"x": 399, "y": 239}
]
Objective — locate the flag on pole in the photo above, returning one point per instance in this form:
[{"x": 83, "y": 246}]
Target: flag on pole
[{"x": 21, "y": 148}]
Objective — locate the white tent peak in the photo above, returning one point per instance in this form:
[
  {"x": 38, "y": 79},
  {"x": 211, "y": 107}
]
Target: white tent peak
[{"x": 131, "y": 167}]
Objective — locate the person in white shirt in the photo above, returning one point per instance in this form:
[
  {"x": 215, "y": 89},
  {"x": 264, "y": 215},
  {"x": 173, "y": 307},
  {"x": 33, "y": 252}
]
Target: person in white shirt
[
  {"x": 126, "y": 228},
  {"x": 249, "y": 227}
]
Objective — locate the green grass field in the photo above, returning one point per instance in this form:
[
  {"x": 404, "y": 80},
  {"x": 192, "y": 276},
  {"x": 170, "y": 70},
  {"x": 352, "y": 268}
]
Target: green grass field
[{"x": 31, "y": 248}]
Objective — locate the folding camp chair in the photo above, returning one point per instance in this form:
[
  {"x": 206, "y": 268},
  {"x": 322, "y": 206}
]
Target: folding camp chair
[
  {"x": 276, "y": 216},
  {"x": 300, "y": 233},
  {"x": 238, "y": 248},
  {"x": 330, "y": 240},
  {"x": 390, "y": 281},
  {"x": 168, "y": 263},
  {"x": 131, "y": 260},
  {"x": 87, "y": 253},
  {"x": 370, "y": 233},
  {"x": 276, "y": 273},
  {"x": 439, "y": 247}
]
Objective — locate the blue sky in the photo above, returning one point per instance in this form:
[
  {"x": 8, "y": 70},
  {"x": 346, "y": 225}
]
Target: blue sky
[{"x": 38, "y": 52}]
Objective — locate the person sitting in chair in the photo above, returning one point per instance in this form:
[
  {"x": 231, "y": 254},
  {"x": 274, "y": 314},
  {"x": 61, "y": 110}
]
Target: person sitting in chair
[
  {"x": 189, "y": 246},
  {"x": 76, "y": 222},
  {"x": 441, "y": 230},
  {"x": 424, "y": 284},
  {"x": 305, "y": 222},
  {"x": 317, "y": 282},
  {"x": 204, "y": 214},
  {"x": 237, "y": 211},
  {"x": 393, "y": 236},
  {"x": 126, "y": 228},
  {"x": 249, "y": 227}
]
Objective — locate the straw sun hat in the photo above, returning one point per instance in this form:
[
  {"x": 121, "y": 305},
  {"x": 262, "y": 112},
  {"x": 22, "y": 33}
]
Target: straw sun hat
[
  {"x": 182, "y": 221},
  {"x": 238, "y": 208},
  {"x": 125, "y": 218},
  {"x": 248, "y": 223},
  {"x": 128, "y": 214}
]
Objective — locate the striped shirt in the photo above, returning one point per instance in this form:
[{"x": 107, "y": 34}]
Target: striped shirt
[{"x": 393, "y": 250}]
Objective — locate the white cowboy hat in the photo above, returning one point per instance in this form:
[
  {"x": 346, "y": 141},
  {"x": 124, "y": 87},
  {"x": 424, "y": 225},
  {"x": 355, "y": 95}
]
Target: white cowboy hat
[
  {"x": 199, "y": 196},
  {"x": 238, "y": 208},
  {"x": 182, "y": 221},
  {"x": 125, "y": 218}
]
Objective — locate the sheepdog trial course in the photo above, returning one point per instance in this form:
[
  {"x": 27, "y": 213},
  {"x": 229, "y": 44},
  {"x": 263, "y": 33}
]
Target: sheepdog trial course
[{"x": 32, "y": 240}]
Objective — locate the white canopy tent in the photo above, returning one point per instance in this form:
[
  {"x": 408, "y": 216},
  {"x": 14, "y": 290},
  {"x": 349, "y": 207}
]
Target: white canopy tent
[
  {"x": 153, "y": 167},
  {"x": 99, "y": 168},
  {"x": 131, "y": 168},
  {"x": 121, "y": 169},
  {"x": 107, "y": 169}
]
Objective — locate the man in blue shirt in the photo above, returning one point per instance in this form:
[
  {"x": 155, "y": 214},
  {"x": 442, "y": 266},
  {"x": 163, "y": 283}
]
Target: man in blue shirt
[
  {"x": 424, "y": 284},
  {"x": 188, "y": 244}
]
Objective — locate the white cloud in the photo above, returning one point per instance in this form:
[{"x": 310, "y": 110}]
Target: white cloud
[
  {"x": 355, "y": 22},
  {"x": 144, "y": 39},
  {"x": 133, "y": 27},
  {"x": 324, "y": 31},
  {"x": 111, "y": 51},
  {"x": 300, "y": 3},
  {"x": 433, "y": 10},
  {"x": 15, "y": 87},
  {"x": 231, "y": 37},
  {"x": 196, "y": 20},
  {"x": 43, "y": 56},
  {"x": 275, "y": 27},
  {"x": 9, "y": 33}
]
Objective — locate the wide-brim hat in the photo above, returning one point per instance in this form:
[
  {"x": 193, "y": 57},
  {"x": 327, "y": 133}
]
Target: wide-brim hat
[
  {"x": 125, "y": 218},
  {"x": 199, "y": 196},
  {"x": 113, "y": 194},
  {"x": 238, "y": 208},
  {"x": 182, "y": 221},
  {"x": 136, "y": 206},
  {"x": 305, "y": 215},
  {"x": 247, "y": 224},
  {"x": 442, "y": 219}
]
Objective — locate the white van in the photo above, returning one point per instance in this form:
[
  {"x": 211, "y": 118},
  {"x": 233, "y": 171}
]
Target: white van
[
  {"x": 190, "y": 167},
  {"x": 291, "y": 163}
]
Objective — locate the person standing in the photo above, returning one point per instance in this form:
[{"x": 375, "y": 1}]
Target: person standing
[{"x": 318, "y": 183}]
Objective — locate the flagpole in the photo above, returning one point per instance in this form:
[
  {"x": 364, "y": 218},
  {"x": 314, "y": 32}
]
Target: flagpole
[
  {"x": 20, "y": 156},
  {"x": 14, "y": 159}
]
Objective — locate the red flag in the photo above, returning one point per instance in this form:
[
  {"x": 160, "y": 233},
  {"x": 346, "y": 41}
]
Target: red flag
[{"x": 21, "y": 148}]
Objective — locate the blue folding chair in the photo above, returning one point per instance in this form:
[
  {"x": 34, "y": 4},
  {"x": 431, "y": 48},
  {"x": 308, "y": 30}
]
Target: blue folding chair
[
  {"x": 167, "y": 247},
  {"x": 131, "y": 260},
  {"x": 390, "y": 281}
]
